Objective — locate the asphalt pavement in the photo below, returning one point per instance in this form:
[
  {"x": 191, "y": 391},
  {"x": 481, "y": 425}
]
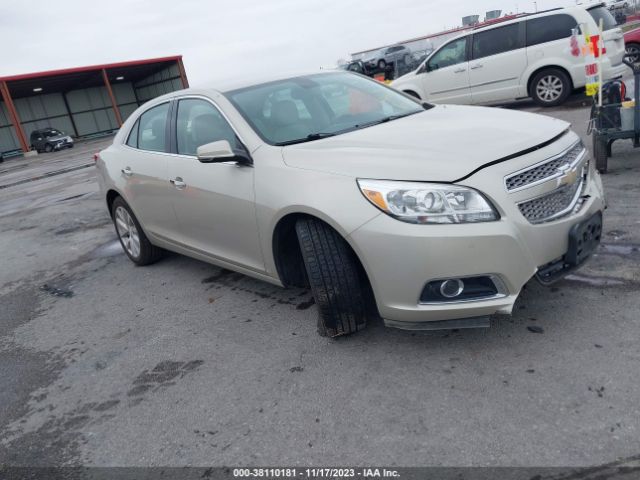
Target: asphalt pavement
[{"x": 182, "y": 363}]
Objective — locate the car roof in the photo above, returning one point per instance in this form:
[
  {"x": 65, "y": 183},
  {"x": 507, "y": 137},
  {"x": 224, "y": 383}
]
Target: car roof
[{"x": 544, "y": 13}]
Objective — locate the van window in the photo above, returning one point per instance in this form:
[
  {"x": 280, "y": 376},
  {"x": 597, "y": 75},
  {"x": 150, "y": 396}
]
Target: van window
[
  {"x": 549, "y": 28},
  {"x": 608, "y": 21},
  {"x": 497, "y": 40},
  {"x": 451, "y": 54}
]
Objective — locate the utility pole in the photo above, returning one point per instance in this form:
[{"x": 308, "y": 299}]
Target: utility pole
[{"x": 535, "y": 4}]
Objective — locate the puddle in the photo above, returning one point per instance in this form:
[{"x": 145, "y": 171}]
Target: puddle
[
  {"x": 595, "y": 281},
  {"x": 107, "y": 250},
  {"x": 619, "y": 249}
]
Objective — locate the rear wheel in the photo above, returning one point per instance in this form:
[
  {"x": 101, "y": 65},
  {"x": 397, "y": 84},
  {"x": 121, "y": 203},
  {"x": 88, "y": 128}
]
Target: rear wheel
[
  {"x": 550, "y": 88},
  {"x": 336, "y": 281},
  {"x": 600, "y": 153},
  {"x": 132, "y": 238},
  {"x": 633, "y": 52}
]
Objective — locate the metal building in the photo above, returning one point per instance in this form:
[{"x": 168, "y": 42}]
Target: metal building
[{"x": 82, "y": 102}]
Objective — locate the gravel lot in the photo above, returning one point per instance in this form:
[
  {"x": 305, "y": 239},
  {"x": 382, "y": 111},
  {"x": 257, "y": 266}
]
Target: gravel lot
[{"x": 182, "y": 363}]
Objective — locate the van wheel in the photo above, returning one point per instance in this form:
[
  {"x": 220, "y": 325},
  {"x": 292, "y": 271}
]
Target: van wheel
[
  {"x": 600, "y": 153},
  {"x": 132, "y": 238},
  {"x": 550, "y": 88},
  {"x": 334, "y": 277}
]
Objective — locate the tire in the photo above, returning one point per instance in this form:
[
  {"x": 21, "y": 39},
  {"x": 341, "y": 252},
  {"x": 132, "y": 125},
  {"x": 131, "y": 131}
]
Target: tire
[
  {"x": 632, "y": 52},
  {"x": 48, "y": 148},
  {"x": 600, "y": 153},
  {"x": 335, "y": 279},
  {"x": 145, "y": 253},
  {"x": 382, "y": 64},
  {"x": 550, "y": 87},
  {"x": 407, "y": 60}
]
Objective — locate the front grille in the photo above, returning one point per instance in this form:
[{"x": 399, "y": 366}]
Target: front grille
[
  {"x": 550, "y": 168},
  {"x": 553, "y": 205}
]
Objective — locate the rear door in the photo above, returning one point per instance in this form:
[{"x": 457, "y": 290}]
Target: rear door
[
  {"x": 498, "y": 61},
  {"x": 144, "y": 171},
  {"x": 445, "y": 76}
]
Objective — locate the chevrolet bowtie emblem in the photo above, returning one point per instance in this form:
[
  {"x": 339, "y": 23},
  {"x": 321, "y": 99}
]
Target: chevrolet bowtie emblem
[{"x": 570, "y": 176}]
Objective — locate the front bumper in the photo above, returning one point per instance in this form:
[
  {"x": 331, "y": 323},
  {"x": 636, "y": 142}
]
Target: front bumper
[{"x": 401, "y": 258}]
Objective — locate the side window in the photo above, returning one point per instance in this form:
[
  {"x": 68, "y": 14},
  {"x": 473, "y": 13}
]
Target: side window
[
  {"x": 497, "y": 40},
  {"x": 550, "y": 28},
  {"x": 132, "y": 141},
  {"x": 451, "y": 54},
  {"x": 199, "y": 123},
  {"x": 152, "y": 128}
]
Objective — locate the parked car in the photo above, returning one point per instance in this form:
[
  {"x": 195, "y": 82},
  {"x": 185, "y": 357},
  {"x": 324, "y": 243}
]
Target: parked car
[
  {"x": 433, "y": 216},
  {"x": 50, "y": 139},
  {"x": 632, "y": 44},
  {"x": 616, "y": 4},
  {"x": 387, "y": 56},
  {"x": 525, "y": 57}
]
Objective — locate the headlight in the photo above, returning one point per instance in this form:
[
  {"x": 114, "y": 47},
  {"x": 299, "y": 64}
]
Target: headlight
[{"x": 428, "y": 202}]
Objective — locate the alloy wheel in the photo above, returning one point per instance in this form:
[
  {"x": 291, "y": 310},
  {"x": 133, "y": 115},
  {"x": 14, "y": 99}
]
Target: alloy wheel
[
  {"x": 127, "y": 232},
  {"x": 549, "y": 88},
  {"x": 633, "y": 53}
]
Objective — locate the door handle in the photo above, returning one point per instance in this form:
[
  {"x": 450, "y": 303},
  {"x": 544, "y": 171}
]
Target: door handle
[
  {"x": 178, "y": 183},
  {"x": 126, "y": 171},
  {"x": 460, "y": 70},
  {"x": 475, "y": 67}
]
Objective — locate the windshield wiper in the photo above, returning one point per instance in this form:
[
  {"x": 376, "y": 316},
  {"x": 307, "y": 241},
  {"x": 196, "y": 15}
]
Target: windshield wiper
[
  {"x": 386, "y": 119},
  {"x": 309, "y": 138}
]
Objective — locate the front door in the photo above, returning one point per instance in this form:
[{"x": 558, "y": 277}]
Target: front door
[
  {"x": 446, "y": 74},
  {"x": 214, "y": 202}
]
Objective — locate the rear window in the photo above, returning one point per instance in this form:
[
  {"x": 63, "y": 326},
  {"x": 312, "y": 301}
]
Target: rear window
[
  {"x": 549, "y": 28},
  {"x": 608, "y": 22}
]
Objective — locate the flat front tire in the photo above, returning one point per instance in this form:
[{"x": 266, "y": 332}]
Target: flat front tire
[
  {"x": 132, "y": 238},
  {"x": 550, "y": 87},
  {"x": 335, "y": 278}
]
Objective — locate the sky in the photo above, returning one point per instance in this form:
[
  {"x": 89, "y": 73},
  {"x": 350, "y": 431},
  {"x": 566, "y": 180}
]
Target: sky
[{"x": 221, "y": 39}]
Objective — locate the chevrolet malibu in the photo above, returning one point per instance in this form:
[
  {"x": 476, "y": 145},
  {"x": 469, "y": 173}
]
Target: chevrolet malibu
[{"x": 431, "y": 217}]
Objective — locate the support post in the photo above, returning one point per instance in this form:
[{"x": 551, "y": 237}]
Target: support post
[
  {"x": 114, "y": 104},
  {"x": 13, "y": 114},
  {"x": 183, "y": 74}
]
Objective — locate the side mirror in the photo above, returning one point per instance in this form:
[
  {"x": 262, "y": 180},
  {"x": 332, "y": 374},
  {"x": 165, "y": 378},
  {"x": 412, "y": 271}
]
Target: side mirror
[{"x": 221, "y": 151}]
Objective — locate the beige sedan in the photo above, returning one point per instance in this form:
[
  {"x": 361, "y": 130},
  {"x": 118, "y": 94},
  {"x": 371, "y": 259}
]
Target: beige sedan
[{"x": 430, "y": 216}]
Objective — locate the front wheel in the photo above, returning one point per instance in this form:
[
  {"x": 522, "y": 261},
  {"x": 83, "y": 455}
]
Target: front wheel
[
  {"x": 132, "y": 238},
  {"x": 335, "y": 278},
  {"x": 600, "y": 153},
  {"x": 550, "y": 88},
  {"x": 382, "y": 64},
  {"x": 48, "y": 148}
]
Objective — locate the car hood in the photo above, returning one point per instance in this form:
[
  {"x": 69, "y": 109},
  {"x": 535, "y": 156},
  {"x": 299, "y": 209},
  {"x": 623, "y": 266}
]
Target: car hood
[{"x": 442, "y": 144}]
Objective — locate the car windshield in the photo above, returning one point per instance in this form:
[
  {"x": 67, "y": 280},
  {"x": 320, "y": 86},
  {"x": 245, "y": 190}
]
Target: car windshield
[
  {"x": 307, "y": 108},
  {"x": 608, "y": 22},
  {"x": 51, "y": 133}
]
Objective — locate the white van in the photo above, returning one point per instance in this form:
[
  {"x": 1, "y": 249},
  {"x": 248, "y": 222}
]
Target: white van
[{"x": 529, "y": 56}]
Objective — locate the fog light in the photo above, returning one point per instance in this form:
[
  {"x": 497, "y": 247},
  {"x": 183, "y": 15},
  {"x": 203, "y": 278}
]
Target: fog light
[{"x": 452, "y": 288}]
